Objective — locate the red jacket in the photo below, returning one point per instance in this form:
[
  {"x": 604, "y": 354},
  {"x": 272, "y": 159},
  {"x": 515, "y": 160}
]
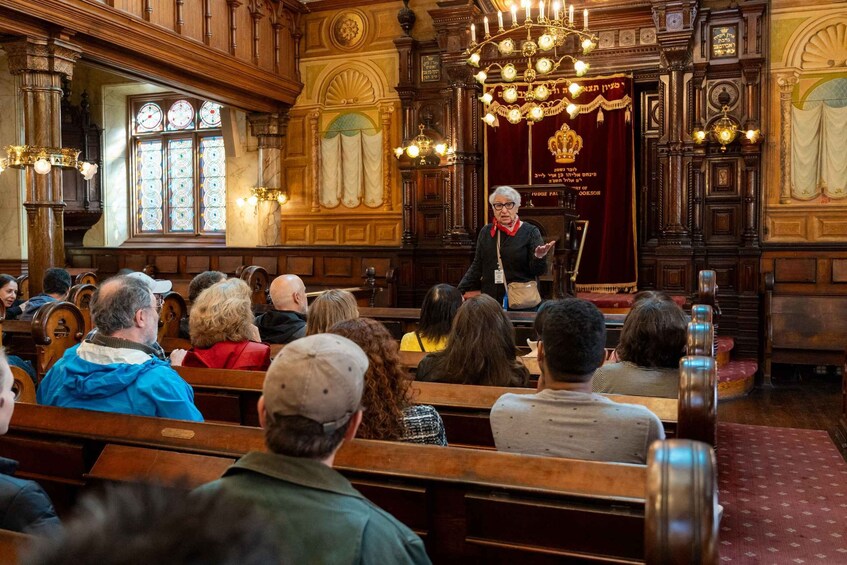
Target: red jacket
[{"x": 244, "y": 355}]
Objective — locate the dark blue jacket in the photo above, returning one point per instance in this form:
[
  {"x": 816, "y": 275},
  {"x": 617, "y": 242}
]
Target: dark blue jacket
[{"x": 24, "y": 506}]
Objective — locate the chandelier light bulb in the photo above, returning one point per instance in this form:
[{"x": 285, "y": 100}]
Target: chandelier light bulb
[
  {"x": 88, "y": 170},
  {"x": 506, "y": 47},
  {"x": 575, "y": 89},
  {"x": 725, "y": 135},
  {"x": 481, "y": 76},
  {"x": 489, "y": 119},
  {"x": 240, "y": 202},
  {"x": 253, "y": 200},
  {"x": 282, "y": 198},
  {"x": 473, "y": 60},
  {"x": 580, "y": 67},
  {"x": 509, "y": 73},
  {"x": 413, "y": 151},
  {"x": 510, "y": 95},
  {"x": 486, "y": 98},
  {"x": 546, "y": 42},
  {"x": 2, "y": 165},
  {"x": 441, "y": 148},
  {"x": 572, "y": 110},
  {"x": 398, "y": 152},
  {"x": 544, "y": 65},
  {"x": 536, "y": 113},
  {"x": 542, "y": 92},
  {"x": 587, "y": 46},
  {"x": 42, "y": 166},
  {"x": 514, "y": 115}
]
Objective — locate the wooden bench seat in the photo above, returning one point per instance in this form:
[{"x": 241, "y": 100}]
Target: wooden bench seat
[{"x": 468, "y": 505}]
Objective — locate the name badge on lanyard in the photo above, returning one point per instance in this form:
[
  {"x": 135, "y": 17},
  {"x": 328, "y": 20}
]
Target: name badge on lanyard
[{"x": 498, "y": 277}]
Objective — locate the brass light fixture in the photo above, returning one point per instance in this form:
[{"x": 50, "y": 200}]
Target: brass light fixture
[
  {"x": 423, "y": 150},
  {"x": 522, "y": 94},
  {"x": 264, "y": 194},
  {"x": 725, "y": 130},
  {"x": 43, "y": 159}
]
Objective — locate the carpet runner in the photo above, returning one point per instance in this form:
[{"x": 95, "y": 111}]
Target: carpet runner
[{"x": 784, "y": 493}]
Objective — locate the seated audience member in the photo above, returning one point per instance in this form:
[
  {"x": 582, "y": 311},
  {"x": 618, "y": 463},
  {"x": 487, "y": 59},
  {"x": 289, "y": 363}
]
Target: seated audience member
[
  {"x": 10, "y": 305},
  {"x": 56, "y": 283},
  {"x": 24, "y": 506},
  {"x": 309, "y": 407},
  {"x": 389, "y": 413},
  {"x": 437, "y": 312},
  {"x": 329, "y": 308},
  {"x": 480, "y": 349},
  {"x": 222, "y": 331},
  {"x": 564, "y": 418},
  {"x": 135, "y": 523},
  {"x": 118, "y": 368},
  {"x": 651, "y": 345},
  {"x": 197, "y": 285},
  {"x": 287, "y": 321}
]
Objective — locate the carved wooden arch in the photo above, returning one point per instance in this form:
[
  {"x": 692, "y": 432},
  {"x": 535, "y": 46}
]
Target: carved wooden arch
[
  {"x": 371, "y": 73},
  {"x": 802, "y": 37}
]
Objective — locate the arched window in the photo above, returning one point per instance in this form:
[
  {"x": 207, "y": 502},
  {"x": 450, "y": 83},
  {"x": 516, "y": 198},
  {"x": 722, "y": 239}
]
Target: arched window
[{"x": 178, "y": 164}]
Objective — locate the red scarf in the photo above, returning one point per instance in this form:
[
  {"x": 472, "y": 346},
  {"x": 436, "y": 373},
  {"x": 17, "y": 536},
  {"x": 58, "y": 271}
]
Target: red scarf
[{"x": 510, "y": 232}]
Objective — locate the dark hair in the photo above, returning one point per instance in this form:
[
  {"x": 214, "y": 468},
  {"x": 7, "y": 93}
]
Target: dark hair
[
  {"x": 574, "y": 339},
  {"x": 115, "y": 302},
  {"x": 298, "y": 436},
  {"x": 480, "y": 347},
  {"x": 651, "y": 295},
  {"x": 540, "y": 313},
  {"x": 203, "y": 281},
  {"x": 143, "y": 523},
  {"x": 438, "y": 310},
  {"x": 653, "y": 334},
  {"x": 387, "y": 386},
  {"x": 6, "y": 279},
  {"x": 56, "y": 281}
]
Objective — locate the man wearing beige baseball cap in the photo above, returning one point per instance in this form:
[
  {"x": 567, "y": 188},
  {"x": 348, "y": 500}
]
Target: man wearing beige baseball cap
[{"x": 310, "y": 405}]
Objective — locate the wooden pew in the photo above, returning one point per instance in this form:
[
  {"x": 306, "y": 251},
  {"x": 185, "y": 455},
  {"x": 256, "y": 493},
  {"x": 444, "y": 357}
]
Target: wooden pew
[
  {"x": 13, "y": 545},
  {"x": 22, "y": 386},
  {"x": 80, "y": 296},
  {"x": 468, "y": 505},
  {"x": 173, "y": 311},
  {"x": 23, "y": 287},
  {"x": 56, "y": 327}
]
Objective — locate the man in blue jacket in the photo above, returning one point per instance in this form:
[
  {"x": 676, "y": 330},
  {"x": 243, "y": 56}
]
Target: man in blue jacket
[{"x": 118, "y": 368}]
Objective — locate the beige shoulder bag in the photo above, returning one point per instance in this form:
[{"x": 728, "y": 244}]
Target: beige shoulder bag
[{"x": 522, "y": 295}]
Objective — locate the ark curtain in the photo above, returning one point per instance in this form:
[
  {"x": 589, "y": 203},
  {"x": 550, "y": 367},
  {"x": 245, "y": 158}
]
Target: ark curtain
[{"x": 603, "y": 172}]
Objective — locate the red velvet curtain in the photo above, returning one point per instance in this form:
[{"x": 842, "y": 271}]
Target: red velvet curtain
[{"x": 603, "y": 171}]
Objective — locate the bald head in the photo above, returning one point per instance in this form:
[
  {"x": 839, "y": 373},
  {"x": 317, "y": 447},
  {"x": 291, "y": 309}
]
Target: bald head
[{"x": 289, "y": 293}]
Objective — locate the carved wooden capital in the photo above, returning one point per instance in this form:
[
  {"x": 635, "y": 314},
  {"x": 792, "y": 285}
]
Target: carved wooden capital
[
  {"x": 265, "y": 124},
  {"x": 42, "y": 55},
  {"x": 786, "y": 81}
]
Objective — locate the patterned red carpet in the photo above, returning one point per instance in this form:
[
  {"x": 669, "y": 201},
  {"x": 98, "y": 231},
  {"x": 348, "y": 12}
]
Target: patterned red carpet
[{"x": 784, "y": 493}]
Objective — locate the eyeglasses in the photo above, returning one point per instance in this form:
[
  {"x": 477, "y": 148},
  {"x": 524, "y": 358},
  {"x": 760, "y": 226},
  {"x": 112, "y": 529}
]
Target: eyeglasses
[
  {"x": 160, "y": 301},
  {"x": 500, "y": 205}
]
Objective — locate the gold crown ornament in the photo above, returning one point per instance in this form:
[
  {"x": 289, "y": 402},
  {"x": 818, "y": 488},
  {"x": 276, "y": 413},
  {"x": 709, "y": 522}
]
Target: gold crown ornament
[{"x": 565, "y": 145}]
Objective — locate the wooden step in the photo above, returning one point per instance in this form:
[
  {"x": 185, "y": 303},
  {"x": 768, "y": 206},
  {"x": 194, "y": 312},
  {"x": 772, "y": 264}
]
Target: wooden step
[{"x": 736, "y": 379}]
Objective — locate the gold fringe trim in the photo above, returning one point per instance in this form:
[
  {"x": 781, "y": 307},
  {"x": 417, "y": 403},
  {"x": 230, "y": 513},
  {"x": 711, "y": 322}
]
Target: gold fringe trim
[
  {"x": 559, "y": 107},
  {"x": 627, "y": 288}
]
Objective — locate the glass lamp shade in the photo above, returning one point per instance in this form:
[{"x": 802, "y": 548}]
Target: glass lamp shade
[{"x": 42, "y": 166}]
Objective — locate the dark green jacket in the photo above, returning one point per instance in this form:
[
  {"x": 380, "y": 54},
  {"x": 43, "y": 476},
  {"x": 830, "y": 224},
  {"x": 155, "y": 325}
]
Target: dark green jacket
[{"x": 321, "y": 518}]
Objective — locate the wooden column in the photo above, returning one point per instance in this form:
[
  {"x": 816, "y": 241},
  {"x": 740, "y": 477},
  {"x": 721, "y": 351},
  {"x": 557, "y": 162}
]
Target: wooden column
[{"x": 41, "y": 64}]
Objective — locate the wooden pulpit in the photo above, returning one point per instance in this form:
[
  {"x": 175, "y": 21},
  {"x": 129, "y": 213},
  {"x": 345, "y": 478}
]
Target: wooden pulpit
[{"x": 552, "y": 208}]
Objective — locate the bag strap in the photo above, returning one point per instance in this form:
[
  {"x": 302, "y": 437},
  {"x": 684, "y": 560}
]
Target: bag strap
[
  {"x": 417, "y": 335},
  {"x": 500, "y": 262}
]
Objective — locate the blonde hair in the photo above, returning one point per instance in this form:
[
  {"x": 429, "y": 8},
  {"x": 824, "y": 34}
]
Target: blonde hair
[
  {"x": 222, "y": 312},
  {"x": 328, "y": 309}
]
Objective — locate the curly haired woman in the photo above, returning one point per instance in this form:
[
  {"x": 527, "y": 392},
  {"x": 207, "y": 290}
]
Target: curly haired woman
[{"x": 389, "y": 411}]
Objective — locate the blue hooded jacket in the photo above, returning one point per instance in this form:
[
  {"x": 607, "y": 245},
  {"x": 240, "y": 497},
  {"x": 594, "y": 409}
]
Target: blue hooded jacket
[
  {"x": 151, "y": 388},
  {"x": 33, "y": 304}
]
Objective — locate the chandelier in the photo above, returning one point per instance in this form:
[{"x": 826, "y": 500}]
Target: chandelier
[
  {"x": 522, "y": 93},
  {"x": 724, "y": 131},
  {"x": 423, "y": 150},
  {"x": 43, "y": 159},
  {"x": 264, "y": 194}
]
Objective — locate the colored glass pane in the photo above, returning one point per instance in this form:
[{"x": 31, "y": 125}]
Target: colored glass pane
[
  {"x": 213, "y": 184},
  {"x": 149, "y": 185},
  {"x": 148, "y": 118},
  {"x": 210, "y": 115},
  {"x": 181, "y": 184},
  {"x": 181, "y": 115}
]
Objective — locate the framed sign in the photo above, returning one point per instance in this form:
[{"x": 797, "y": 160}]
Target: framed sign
[
  {"x": 430, "y": 68},
  {"x": 724, "y": 41}
]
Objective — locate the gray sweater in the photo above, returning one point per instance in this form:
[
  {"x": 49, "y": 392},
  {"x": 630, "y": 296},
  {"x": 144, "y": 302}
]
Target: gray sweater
[
  {"x": 575, "y": 425},
  {"x": 628, "y": 378}
]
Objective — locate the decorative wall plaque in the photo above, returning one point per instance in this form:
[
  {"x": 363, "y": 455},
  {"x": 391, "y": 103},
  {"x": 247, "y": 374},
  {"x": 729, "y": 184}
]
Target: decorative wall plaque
[
  {"x": 724, "y": 41},
  {"x": 430, "y": 68},
  {"x": 348, "y": 29}
]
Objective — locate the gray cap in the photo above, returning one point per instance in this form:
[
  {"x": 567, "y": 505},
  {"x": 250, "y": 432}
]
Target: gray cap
[
  {"x": 156, "y": 286},
  {"x": 320, "y": 377}
]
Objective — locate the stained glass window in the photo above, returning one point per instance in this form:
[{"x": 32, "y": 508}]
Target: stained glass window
[{"x": 179, "y": 167}]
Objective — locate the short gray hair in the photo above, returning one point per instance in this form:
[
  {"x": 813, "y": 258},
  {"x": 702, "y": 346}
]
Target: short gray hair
[
  {"x": 115, "y": 309},
  {"x": 506, "y": 191}
]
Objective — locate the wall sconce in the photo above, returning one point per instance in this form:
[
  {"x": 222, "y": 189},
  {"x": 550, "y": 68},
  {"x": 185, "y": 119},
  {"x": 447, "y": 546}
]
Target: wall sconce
[
  {"x": 264, "y": 194},
  {"x": 43, "y": 159},
  {"x": 725, "y": 131},
  {"x": 423, "y": 150}
]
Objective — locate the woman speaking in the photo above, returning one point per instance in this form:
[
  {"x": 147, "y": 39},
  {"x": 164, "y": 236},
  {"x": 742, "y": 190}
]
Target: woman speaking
[{"x": 509, "y": 254}]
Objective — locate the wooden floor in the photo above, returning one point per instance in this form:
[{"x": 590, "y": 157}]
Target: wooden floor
[{"x": 800, "y": 398}]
